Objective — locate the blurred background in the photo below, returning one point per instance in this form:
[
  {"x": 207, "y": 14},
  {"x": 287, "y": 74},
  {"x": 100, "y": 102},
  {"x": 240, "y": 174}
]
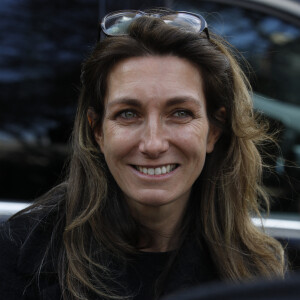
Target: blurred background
[{"x": 42, "y": 45}]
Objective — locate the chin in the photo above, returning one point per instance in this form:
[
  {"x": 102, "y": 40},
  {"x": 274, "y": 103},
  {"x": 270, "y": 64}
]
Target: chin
[
  {"x": 154, "y": 199},
  {"x": 154, "y": 202}
]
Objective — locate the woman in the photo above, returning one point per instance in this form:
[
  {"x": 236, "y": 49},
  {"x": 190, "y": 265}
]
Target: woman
[{"x": 163, "y": 179}]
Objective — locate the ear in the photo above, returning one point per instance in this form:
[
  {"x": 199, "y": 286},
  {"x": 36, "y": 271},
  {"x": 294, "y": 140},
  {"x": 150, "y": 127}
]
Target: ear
[
  {"x": 93, "y": 117},
  {"x": 215, "y": 132}
]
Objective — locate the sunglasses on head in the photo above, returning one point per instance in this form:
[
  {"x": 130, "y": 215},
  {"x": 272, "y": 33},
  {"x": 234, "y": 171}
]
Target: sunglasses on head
[{"x": 118, "y": 22}]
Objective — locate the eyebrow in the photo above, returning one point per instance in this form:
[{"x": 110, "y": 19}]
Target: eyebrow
[
  {"x": 170, "y": 102},
  {"x": 183, "y": 99},
  {"x": 128, "y": 101}
]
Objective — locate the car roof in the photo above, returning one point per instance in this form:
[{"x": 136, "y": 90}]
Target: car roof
[{"x": 287, "y": 10}]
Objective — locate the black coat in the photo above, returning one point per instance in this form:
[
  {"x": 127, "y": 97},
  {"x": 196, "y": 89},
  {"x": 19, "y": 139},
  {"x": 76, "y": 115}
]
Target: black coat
[
  {"x": 23, "y": 242},
  {"x": 22, "y": 247}
]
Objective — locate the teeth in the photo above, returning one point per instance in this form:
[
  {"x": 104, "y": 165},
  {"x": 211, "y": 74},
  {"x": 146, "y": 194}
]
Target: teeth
[
  {"x": 157, "y": 171},
  {"x": 150, "y": 171}
]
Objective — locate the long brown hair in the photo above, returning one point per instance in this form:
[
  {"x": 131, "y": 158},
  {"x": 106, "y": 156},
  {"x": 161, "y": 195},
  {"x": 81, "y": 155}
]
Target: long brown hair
[{"x": 94, "y": 219}]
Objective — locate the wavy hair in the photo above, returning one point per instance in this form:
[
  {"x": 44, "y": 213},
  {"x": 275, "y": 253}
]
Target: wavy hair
[{"x": 98, "y": 228}]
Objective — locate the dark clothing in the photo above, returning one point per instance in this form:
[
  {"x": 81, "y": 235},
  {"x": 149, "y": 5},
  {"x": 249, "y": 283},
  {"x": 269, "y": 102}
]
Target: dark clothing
[
  {"x": 23, "y": 243},
  {"x": 22, "y": 247}
]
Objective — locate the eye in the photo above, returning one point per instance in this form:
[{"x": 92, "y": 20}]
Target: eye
[
  {"x": 182, "y": 113},
  {"x": 127, "y": 114}
]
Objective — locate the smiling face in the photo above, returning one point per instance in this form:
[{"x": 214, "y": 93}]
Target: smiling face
[{"x": 155, "y": 133}]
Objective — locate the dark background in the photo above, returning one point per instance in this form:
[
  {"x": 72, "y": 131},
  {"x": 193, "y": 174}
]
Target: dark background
[{"x": 42, "y": 45}]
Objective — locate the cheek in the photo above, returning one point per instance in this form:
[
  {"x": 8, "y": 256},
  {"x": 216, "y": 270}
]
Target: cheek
[
  {"x": 193, "y": 138},
  {"x": 116, "y": 141}
]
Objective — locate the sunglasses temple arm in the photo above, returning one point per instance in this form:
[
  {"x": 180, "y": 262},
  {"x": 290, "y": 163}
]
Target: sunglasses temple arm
[{"x": 207, "y": 32}]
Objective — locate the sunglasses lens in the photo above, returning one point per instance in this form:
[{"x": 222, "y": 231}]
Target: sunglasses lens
[
  {"x": 118, "y": 23},
  {"x": 184, "y": 20}
]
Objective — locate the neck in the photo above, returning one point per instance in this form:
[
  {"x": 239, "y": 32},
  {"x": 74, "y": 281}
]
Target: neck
[{"x": 161, "y": 222}]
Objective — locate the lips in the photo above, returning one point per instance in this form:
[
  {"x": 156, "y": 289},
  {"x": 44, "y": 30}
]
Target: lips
[{"x": 157, "y": 170}]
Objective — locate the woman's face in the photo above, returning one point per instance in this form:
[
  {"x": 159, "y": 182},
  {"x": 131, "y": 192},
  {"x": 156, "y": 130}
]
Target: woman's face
[{"x": 155, "y": 133}]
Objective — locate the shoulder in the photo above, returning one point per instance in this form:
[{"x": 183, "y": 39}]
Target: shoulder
[
  {"x": 12, "y": 237},
  {"x": 23, "y": 243},
  {"x": 13, "y": 233}
]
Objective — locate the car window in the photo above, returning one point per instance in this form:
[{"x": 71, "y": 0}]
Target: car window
[{"x": 42, "y": 47}]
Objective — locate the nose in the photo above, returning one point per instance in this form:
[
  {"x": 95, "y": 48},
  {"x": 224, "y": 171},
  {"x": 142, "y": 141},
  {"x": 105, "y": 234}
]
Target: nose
[{"x": 154, "y": 139}]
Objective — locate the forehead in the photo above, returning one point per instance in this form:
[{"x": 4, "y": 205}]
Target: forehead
[{"x": 155, "y": 78}]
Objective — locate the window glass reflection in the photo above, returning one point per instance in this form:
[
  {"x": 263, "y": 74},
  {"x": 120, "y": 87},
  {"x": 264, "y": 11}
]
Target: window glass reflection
[{"x": 42, "y": 46}]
